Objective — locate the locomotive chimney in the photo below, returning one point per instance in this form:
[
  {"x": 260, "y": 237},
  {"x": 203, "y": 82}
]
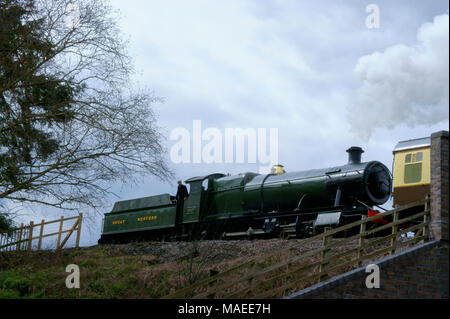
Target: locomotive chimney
[{"x": 354, "y": 154}]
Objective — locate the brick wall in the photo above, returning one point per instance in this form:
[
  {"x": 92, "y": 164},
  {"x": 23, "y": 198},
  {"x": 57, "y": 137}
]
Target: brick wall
[
  {"x": 439, "y": 185},
  {"x": 421, "y": 272}
]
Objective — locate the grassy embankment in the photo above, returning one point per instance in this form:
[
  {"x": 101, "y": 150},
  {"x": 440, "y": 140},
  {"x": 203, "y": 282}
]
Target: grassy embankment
[
  {"x": 139, "y": 270},
  {"x": 147, "y": 269}
]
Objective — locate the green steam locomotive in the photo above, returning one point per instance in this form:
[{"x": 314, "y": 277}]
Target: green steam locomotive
[{"x": 282, "y": 204}]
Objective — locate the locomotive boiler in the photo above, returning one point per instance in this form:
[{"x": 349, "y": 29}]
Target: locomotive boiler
[{"x": 249, "y": 204}]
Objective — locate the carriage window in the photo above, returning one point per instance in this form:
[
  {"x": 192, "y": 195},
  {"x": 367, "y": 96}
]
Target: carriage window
[
  {"x": 419, "y": 157},
  {"x": 408, "y": 158},
  {"x": 413, "y": 173},
  {"x": 413, "y": 167},
  {"x": 414, "y": 157}
]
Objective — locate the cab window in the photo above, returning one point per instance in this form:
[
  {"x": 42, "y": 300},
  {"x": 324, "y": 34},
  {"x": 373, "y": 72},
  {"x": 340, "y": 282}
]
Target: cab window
[{"x": 205, "y": 184}]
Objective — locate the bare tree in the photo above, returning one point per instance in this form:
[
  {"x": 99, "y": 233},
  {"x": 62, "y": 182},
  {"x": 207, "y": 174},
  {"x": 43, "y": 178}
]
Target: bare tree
[{"x": 71, "y": 123}]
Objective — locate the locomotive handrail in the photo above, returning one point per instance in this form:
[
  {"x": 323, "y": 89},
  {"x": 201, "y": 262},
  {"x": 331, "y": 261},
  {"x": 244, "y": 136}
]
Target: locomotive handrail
[{"x": 324, "y": 260}]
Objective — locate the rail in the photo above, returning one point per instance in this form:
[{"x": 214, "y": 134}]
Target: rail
[{"x": 285, "y": 271}]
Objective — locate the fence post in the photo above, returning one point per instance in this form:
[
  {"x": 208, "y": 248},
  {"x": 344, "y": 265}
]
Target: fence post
[
  {"x": 426, "y": 219},
  {"x": 323, "y": 254},
  {"x": 30, "y": 236},
  {"x": 77, "y": 244},
  {"x": 59, "y": 233},
  {"x": 362, "y": 230},
  {"x": 20, "y": 237},
  {"x": 394, "y": 232},
  {"x": 8, "y": 240},
  {"x": 41, "y": 232}
]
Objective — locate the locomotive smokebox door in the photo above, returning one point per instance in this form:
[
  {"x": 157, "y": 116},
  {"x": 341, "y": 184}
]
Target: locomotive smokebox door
[{"x": 328, "y": 219}]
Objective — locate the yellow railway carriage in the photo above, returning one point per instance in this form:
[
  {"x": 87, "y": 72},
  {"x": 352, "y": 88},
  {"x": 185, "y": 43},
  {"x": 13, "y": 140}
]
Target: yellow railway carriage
[{"x": 411, "y": 170}]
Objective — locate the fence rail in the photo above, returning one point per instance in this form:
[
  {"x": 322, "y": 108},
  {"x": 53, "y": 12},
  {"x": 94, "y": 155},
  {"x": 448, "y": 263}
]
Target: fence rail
[
  {"x": 282, "y": 272},
  {"x": 21, "y": 238}
]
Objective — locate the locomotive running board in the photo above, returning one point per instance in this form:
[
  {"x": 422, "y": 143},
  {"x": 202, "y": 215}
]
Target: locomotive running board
[{"x": 293, "y": 213}]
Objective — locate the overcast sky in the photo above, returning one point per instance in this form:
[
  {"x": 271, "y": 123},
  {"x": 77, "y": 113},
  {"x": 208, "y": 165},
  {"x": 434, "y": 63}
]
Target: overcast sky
[{"x": 311, "y": 69}]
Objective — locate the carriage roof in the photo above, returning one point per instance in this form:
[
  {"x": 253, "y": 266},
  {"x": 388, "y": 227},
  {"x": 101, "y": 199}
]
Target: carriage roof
[{"x": 412, "y": 144}]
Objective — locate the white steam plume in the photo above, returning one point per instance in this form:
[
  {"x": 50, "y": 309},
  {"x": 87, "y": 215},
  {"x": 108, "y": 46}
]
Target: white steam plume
[{"x": 404, "y": 84}]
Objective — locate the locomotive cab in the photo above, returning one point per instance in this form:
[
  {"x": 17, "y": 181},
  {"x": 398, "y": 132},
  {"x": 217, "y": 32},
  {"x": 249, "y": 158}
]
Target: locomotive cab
[{"x": 195, "y": 205}]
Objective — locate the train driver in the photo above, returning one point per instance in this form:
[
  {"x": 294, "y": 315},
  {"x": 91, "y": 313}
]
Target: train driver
[{"x": 182, "y": 195}]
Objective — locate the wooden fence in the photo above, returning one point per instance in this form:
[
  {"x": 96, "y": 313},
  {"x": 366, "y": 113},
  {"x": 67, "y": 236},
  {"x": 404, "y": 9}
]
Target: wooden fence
[
  {"x": 283, "y": 272},
  {"x": 21, "y": 238}
]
